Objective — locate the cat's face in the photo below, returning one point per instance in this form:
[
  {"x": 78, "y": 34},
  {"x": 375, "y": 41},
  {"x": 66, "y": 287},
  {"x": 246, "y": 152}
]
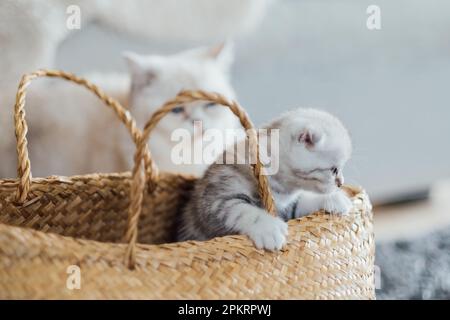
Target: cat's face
[
  {"x": 156, "y": 79},
  {"x": 314, "y": 147}
]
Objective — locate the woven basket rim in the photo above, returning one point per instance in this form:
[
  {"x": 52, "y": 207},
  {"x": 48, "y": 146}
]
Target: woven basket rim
[
  {"x": 80, "y": 177},
  {"x": 361, "y": 207}
]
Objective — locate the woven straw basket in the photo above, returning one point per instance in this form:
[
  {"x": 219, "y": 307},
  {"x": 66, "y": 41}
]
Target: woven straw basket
[{"x": 117, "y": 229}]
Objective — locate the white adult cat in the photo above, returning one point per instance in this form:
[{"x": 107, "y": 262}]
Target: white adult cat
[
  {"x": 155, "y": 79},
  {"x": 71, "y": 132}
]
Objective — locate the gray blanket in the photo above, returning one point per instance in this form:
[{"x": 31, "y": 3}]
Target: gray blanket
[{"x": 416, "y": 269}]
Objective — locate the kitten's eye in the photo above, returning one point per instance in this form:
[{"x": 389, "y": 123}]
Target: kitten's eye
[
  {"x": 209, "y": 105},
  {"x": 334, "y": 170},
  {"x": 178, "y": 109}
]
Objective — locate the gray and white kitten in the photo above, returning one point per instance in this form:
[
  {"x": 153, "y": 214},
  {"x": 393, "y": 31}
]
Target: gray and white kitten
[{"x": 313, "y": 149}]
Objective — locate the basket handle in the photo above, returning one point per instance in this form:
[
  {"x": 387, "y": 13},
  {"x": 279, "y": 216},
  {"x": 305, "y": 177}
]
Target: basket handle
[
  {"x": 21, "y": 127},
  {"x": 137, "y": 184}
]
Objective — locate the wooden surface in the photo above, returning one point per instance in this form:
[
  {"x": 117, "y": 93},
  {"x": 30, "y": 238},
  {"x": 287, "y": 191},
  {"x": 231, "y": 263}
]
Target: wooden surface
[{"x": 414, "y": 219}]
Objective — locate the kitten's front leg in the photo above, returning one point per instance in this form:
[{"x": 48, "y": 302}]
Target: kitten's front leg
[
  {"x": 335, "y": 202},
  {"x": 266, "y": 231}
]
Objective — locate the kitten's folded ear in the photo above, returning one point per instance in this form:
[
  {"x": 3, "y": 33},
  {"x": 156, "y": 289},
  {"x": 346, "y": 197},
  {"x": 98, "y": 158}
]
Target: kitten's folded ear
[{"x": 310, "y": 137}]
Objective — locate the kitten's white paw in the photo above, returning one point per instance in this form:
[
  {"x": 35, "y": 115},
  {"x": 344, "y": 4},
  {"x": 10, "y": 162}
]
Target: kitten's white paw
[
  {"x": 268, "y": 232},
  {"x": 338, "y": 203}
]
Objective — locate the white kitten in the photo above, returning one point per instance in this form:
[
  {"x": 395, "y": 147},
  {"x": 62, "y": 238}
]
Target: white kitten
[
  {"x": 155, "y": 79},
  {"x": 313, "y": 149}
]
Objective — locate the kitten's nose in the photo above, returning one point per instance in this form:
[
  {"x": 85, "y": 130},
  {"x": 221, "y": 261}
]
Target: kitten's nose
[{"x": 339, "y": 181}]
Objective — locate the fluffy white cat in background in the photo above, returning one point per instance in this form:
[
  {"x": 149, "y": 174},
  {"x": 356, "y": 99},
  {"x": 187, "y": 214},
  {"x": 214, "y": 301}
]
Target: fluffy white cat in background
[
  {"x": 72, "y": 133},
  {"x": 155, "y": 79}
]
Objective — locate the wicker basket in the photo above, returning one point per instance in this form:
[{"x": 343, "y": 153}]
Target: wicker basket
[{"x": 50, "y": 224}]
